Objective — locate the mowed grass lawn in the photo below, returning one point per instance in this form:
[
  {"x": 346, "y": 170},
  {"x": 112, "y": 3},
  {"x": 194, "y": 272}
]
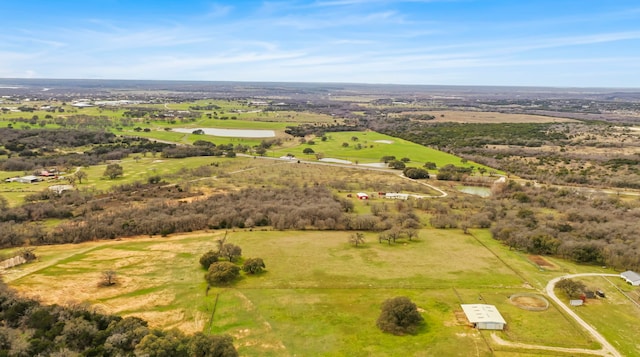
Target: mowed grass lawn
[{"x": 319, "y": 295}]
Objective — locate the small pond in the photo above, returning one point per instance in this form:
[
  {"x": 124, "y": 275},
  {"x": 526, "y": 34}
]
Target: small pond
[
  {"x": 234, "y": 133},
  {"x": 475, "y": 190}
]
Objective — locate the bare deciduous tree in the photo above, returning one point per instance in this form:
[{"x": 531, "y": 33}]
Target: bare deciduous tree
[
  {"x": 108, "y": 278},
  {"x": 356, "y": 238}
]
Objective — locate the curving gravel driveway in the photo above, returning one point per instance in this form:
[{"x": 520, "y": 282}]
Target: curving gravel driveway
[{"x": 607, "y": 348}]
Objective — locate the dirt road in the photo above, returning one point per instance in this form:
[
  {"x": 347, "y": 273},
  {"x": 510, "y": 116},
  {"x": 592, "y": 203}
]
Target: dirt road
[{"x": 607, "y": 348}]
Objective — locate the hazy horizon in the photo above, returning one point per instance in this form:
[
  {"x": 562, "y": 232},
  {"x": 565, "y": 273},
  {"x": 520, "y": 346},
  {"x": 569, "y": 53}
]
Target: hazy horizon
[{"x": 13, "y": 81}]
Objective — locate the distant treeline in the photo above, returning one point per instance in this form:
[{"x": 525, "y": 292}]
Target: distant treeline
[
  {"x": 18, "y": 140},
  {"x": 319, "y": 130},
  {"x": 457, "y": 135}
]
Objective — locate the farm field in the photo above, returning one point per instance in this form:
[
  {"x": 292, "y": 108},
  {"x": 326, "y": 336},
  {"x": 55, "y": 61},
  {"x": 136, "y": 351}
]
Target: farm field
[
  {"x": 327, "y": 305},
  {"x": 457, "y": 116}
]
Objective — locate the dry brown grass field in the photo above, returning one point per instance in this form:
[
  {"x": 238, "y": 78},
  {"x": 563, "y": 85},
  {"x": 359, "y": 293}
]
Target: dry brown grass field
[{"x": 452, "y": 116}]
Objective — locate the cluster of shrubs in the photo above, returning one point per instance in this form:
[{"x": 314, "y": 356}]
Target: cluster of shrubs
[{"x": 225, "y": 272}]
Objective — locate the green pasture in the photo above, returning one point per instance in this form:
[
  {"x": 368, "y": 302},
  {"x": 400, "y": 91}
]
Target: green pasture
[
  {"x": 370, "y": 147},
  {"x": 318, "y": 296},
  {"x": 185, "y": 138}
]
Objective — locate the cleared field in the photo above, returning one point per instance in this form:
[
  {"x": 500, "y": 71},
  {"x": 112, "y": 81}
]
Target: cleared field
[
  {"x": 442, "y": 116},
  {"x": 326, "y": 305}
]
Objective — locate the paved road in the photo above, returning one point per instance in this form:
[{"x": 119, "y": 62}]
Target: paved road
[{"x": 607, "y": 348}]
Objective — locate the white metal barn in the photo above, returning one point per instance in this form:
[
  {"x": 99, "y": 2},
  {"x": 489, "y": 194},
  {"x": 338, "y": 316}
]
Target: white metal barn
[
  {"x": 484, "y": 317},
  {"x": 631, "y": 277}
]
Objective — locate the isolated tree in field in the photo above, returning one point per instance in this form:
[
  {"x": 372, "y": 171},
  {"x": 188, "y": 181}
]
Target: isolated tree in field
[
  {"x": 209, "y": 258},
  {"x": 308, "y": 151},
  {"x": 220, "y": 242},
  {"x": 430, "y": 165},
  {"x": 253, "y": 266},
  {"x": 80, "y": 175},
  {"x": 27, "y": 253},
  {"x": 399, "y": 316},
  {"x": 384, "y": 236},
  {"x": 411, "y": 233},
  {"x": 221, "y": 273},
  {"x": 71, "y": 180},
  {"x": 231, "y": 252},
  {"x": 356, "y": 238},
  {"x": 109, "y": 278},
  {"x": 113, "y": 170},
  {"x": 572, "y": 288},
  {"x": 387, "y": 159},
  {"x": 397, "y": 165},
  {"x": 415, "y": 173}
]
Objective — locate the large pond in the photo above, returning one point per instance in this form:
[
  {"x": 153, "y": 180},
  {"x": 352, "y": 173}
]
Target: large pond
[
  {"x": 234, "y": 133},
  {"x": 475, "y": 190}
]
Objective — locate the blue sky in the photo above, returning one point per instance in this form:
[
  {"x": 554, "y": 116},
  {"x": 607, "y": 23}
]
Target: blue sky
[{"x": 568, "y": 43}]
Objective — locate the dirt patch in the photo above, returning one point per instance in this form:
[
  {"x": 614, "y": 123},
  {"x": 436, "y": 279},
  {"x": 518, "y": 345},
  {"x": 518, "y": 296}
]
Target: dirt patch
[
  {"x": 531, "y": 302},
  {"x": 541, "y": 262},
  {"x": 461, "y": 318},
  {"x": 488, "y": 117}
]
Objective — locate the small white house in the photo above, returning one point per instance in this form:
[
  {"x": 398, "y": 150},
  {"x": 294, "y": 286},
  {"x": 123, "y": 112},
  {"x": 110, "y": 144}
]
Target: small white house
[
  {"x": 362, "y": 196},
  {"x": 484, "y": 317},
  {"x": 631, "y": 277},
  {"x": 576, "y": 302}
]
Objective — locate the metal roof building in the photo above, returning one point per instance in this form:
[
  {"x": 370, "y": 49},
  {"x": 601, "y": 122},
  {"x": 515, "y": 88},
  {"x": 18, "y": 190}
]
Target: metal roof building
[
  {"x": 484, "y": 317},
  {"x": 631, "y": 277}
]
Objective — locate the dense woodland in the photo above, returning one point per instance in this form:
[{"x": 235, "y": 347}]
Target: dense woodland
[{"x": 153, "y": 210}]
